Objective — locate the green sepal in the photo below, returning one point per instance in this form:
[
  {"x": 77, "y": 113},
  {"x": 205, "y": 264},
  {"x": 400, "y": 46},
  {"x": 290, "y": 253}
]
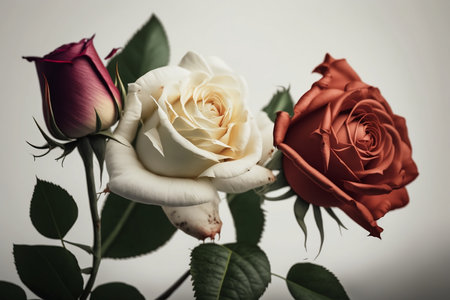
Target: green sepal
[
  {"x": 123, "y": 92},
  {"x": 281, "y": 101},
  {"x": 52, "y": 144},
  {"x": 319, "y": 223},
  {"x": 86, "y": 248},
  {"x": 67, "y": 149},
  {"x": 300, "y": 209},
  {"x": 335, "y": 217},
  {"x": 284, "y": 196},
  {"x": 98, "y": 122},
  {"x": 98, "y": 145},
  {"x": 54, "y": 128},
  {"x": 109, "y": 135}
]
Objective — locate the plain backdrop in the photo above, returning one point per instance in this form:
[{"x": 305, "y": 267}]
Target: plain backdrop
[{"x": 399, "y": 46}]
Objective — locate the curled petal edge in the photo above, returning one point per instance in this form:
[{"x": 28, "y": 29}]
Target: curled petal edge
[
  {"x": 355, "y": 210},
  {"x": 255, "y": 177},
  {"x": 128, "y": 178}
]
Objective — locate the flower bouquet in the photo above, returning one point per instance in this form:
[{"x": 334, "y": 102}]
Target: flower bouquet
[{"x": 178, "y": 139}]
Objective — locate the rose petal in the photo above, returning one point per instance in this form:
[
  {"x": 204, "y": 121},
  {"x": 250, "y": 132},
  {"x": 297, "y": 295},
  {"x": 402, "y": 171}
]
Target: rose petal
[
  {"x": 194, "y": 62},
  {"x": 129, "y": 179},
  {"x": 379, "y": 205},
  {"x": 179, "y": 157},
  {"x": 250, "y": 157},
  {"x": 200, "y": 221},
  {"x": 255, "y": 177},
  {"x": 217, "y": 65},
  {"x": 152, "y": 85}
]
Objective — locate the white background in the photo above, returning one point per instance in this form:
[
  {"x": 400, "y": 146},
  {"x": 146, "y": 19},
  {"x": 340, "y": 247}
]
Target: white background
[{"x": 399, "y": 46}]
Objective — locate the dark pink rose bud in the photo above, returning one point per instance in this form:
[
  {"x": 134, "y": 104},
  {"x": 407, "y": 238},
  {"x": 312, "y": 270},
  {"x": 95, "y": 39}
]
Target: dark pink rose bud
[{"x": 79, "y": 96}]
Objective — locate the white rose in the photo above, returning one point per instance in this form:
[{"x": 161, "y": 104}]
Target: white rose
[{"x": 197, "y": 138}]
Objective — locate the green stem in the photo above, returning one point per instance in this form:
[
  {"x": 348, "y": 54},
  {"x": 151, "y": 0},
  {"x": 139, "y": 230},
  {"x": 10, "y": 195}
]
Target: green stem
[
  {"x": 86, "y": 154},
  {"x": 174, "y": 286},
  {"x": 112, "y": 237},
  {"x": 279, "y": 276}
]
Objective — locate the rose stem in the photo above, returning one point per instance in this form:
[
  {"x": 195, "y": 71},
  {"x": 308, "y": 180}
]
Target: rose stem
[
  {"x": 174, "y": 286},
  {"x": 86, "y": 153}
]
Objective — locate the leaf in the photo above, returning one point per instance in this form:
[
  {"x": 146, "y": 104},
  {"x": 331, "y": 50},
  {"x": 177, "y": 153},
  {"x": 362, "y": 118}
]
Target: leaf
[
  {"x": 308, "y": 281},
  {"x": 300, "y": 209},
  {"x": 48, "y": 271},
  {"x": 116, "y": 291},
  {"x": 231, "y": 271},
  {"x": 335, "y": 217},
  {"x": 319, "y": 223},
  {"x": 281, "y": 101},
  {"x": 148, "y": 49},
  {"x": 53, "y": 211},
  {"x": 10, "y": 291},
  {"x": 130, "y": 228},
  {"x": 248, "y": 216}
]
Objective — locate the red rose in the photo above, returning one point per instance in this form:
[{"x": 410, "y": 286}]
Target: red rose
[
  {"x": 344, "y": 147},
  {"x": 76, "y": 87}
]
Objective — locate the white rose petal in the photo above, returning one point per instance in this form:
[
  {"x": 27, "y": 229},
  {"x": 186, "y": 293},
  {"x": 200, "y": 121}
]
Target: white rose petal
[
  {"x": 201, "y": 221},
  {"x": 129, "y": 179},
  {"x": 197, "y": 138}
]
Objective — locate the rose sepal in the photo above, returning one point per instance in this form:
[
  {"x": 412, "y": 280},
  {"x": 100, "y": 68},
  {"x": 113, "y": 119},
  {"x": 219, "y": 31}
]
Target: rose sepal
[{"x": 52, "y": 144}]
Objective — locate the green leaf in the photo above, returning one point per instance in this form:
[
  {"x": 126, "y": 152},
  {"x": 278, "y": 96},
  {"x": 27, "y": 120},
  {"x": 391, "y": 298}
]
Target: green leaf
[
  {"x": 319, "y": 223},
  {"x": 130, "y": 228},
  {"x": 48, "y": 271},
  {"x": 53, "y": 211},
  {"x": 10, "y": 291},
  {"x": 333, "y": 215},
  {"x": 281, "y": 101},
  {"x": 232, "y": 271},
  {"x": 300, "y": 209},
  {"x": 248, "y": 216},
  {"x": 116, "y": 291},
  {"x": 148, "y": 49},
  {"x": 308, "y": 281}
]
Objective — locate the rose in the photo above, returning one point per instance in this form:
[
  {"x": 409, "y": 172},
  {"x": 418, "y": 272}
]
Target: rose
[
  {"x": 76, "y": 91},
  {"x": 197, "y": 137},
  {"x": 344, "y": 147}
]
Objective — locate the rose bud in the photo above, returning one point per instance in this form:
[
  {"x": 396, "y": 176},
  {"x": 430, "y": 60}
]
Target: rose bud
[
  {"x": 197, "y": 138},
  {"x": 345, "y": 148},
  {"x": 79, "y": 97}
]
